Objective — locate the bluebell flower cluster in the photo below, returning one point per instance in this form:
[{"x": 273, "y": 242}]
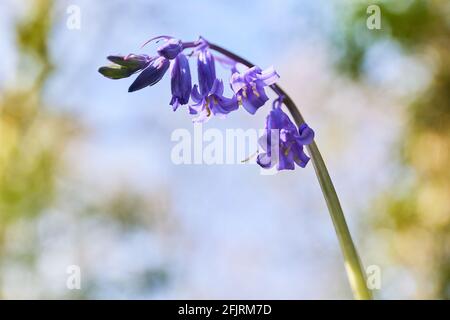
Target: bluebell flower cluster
[{"x": 206, "y": 98}]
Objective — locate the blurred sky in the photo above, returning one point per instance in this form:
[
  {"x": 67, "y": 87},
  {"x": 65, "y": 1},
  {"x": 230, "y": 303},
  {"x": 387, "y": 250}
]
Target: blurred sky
[{"x": 239, "y": 234}]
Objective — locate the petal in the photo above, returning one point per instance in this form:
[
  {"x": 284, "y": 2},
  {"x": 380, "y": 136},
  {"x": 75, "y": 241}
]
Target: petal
[
  {"x": 264, "y": 141},
  {"x": 195, "y": 94},
  {"x": 249, "y": 106},
  {"x": 269, "y": 76},
  {"x": 265, "y": 161},
  {"x": 175, "y": 103},
  {"x": 197, "y": 107},
  {"x": 223, "y": 105},
  {"x": 217, "y": 88},
  {"x": 276, "y": 119},
  {"x": 280, "y": 120},
  {"x": 300, "y": 156},
  {"x": 151, "y": 75},
  {"x": 252, "y": 74},
  {"x": 306, "y": 134},
  {"x": 181, "y": 83},
  {"x": 192, "y": 110},
  {"x": 237, "y": 82},
  {"x": 256, "y": 98},
  {"x": 285, "y": 135},
  {"x": 286, "y": 161},
  {"x": 203, "y": 116},
  {"x": 206, "y": 71}
]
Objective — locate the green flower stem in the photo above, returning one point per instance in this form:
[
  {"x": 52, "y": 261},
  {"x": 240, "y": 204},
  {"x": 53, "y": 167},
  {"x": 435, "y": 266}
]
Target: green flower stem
[
  {"x": 353, "y": 264},
  {"x": 355, "y": 271}
]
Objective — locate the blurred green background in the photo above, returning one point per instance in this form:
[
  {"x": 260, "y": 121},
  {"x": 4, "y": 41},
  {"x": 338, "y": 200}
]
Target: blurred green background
[
  {"x": 380, "y": 103},
  {"x": 411, "y": 219}
]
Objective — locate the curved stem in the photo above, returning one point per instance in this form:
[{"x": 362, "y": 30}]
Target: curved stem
[{"x": 353, "y": 264}]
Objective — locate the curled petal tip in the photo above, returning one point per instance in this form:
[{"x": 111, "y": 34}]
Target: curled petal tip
[{"x": 155, "y": 38}]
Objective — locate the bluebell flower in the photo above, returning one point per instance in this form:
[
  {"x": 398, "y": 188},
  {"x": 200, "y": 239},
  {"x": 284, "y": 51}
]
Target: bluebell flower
[
  {"x": 206, "y": 69},
  {"x": 125, "y": 66},
  {"x": 288, "y": 144},
  {"x": 151, "y": 74},
  {"x": 181, "y": 83},
  {"x": 249, "y": 86},
  {"x": 170, "y": 48},
  {"x": 211, "y": 103}
]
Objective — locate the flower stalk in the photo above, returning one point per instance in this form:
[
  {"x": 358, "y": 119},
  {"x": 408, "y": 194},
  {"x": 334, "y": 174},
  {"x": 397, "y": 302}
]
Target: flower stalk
[
  {"x": 353, "y": 265},
  {"x": 248, "y": 87}
]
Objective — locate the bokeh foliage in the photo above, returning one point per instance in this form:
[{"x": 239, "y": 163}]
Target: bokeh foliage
[
  {"x": 31, "y": 136},
  {"x": 417, "y": 208},
  {"x": 33, "y": 139}
]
